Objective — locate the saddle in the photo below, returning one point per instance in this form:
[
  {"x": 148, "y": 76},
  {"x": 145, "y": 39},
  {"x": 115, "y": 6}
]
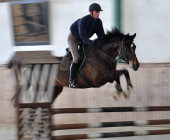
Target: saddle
[{"x": 67, "y": 59}]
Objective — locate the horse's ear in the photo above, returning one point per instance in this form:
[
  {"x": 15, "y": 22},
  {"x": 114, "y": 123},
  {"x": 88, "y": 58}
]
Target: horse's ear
[
  {"x": 133, "y": 36},
  {"x": 126, "y": 37}
]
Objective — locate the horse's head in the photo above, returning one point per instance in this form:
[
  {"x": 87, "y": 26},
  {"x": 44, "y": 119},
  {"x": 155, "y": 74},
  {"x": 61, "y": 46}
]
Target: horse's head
[
  {"x": 116, "y": 43},
  {"x": 127, "y": 51}
]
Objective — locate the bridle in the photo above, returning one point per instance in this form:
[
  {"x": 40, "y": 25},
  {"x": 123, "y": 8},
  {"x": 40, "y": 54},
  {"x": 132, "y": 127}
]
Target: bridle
[
  {"x": 122, "y": 51},
  {"x": 109, "y": 59}
]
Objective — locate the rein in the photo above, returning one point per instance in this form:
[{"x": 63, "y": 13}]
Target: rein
[
  {"x": 105, "y": 56},
  {"x": 110, "y": 59}
]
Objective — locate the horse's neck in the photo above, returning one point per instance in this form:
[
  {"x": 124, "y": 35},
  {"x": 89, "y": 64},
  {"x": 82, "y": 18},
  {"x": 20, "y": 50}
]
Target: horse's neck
[
  {"x": 111, "y": 49},
  {"x": 90, "y": 51}
]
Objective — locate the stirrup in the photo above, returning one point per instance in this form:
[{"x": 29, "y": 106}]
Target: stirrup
[{"x": 73, "y": 85}]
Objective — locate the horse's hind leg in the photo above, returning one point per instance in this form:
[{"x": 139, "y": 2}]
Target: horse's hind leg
[{"x": 118, "y": 86}]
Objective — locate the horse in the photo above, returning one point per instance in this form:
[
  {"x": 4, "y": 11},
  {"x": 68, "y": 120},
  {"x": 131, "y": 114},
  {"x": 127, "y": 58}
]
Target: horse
[{"x": 99, "y": 66}]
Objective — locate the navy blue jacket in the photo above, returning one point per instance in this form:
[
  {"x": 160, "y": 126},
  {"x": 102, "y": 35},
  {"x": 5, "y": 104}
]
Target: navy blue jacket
[{"x": 85, "y": 27}]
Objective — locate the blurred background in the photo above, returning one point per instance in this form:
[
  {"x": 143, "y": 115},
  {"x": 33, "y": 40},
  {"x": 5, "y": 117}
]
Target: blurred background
[
  {"x": 46, "y": 24},
  {"x": 36, "y": 25}
]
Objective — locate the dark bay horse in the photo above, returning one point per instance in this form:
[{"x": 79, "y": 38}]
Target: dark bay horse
[{"x": 100, "y": 64}]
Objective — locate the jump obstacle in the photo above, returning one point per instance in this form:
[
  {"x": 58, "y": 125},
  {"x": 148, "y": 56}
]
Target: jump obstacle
[
  {"x": 34, "y": 92},
  {"x": 35, "y": 112},
  {"x": 110, "y": 124}
]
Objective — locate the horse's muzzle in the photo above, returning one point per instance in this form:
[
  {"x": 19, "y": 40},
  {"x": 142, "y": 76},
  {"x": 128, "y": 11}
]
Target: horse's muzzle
[{"x": 134, "y": 65}]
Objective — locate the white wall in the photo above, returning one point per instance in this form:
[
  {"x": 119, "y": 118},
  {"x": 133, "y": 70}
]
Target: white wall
[
  {"x": 5, "y": 32},
  {"x": 150, "y": 20}
]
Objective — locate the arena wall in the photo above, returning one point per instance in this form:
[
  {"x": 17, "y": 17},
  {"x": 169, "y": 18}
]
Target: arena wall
[{"x": 151, "y": 88}]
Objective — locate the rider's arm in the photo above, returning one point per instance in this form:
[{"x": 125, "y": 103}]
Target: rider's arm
[
  {"x": 100, "y": 32},
  {"x": 83, "y": 33}
]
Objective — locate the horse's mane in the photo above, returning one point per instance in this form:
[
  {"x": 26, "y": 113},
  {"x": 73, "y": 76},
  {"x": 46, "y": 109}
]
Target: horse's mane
[{"x": 113, "y": 34}]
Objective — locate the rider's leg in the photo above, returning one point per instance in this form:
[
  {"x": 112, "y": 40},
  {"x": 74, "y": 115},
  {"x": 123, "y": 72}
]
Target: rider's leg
[
  {"x": 73, "y": 45},
  {"x": 73, "y": 71}
]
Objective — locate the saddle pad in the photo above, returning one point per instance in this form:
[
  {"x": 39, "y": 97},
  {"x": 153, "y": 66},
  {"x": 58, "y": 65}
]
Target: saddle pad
[{"x": 65, "y": 63}]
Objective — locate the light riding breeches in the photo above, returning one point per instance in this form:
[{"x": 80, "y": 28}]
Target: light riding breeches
[{"x": 73, "y": 45}]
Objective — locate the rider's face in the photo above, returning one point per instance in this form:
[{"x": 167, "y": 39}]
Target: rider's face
[{"x": 95, "y": 14}]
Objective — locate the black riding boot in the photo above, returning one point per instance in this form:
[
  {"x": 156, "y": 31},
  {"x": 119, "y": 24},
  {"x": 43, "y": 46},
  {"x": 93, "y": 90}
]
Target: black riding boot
[{"x": 73, "y": 71}]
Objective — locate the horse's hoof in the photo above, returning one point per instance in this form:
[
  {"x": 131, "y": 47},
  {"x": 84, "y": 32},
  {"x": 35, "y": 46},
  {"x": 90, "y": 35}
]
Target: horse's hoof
[
  {"x": 116, "y": 96},
  {"x": 126, "y": 94}
]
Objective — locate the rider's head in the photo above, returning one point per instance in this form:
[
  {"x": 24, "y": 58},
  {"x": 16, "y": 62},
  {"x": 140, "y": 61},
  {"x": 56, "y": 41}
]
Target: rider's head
[{"x": 94, "y": 10}]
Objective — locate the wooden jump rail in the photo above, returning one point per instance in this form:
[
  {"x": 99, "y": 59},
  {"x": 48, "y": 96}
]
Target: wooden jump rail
[
  {"x": 110, "y": 124},
  {"x": 110, "y": 109},
  {"x": 112, "y": 134}
]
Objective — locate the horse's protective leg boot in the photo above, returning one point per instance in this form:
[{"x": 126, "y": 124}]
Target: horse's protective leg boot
[{"x": 73, "y": 71}]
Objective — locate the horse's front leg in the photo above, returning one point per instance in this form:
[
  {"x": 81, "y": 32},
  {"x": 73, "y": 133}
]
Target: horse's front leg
[
  {"x": 129, "y": 84},
  {"x": 126, "y": 93},
  {"x": 118, "y": 87}
]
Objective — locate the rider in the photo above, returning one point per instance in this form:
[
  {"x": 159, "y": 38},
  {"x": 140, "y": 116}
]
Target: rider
[{"x": 81, "y": 31}]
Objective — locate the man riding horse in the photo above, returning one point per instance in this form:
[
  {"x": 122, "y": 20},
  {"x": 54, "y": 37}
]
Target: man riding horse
[
  {"x": 99, "y": 64},
  {"x": 81, "y": 31}
]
